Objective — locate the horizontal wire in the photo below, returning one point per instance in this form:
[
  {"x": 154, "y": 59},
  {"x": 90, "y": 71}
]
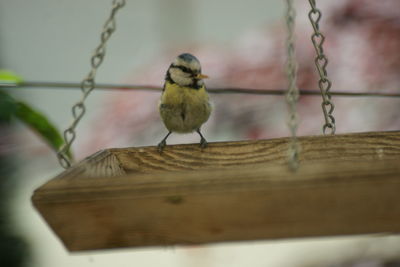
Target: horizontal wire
[{"x": 31, "y": 84}]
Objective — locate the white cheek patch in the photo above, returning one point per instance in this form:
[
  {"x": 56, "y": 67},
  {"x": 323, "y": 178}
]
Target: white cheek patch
[
  {"x": 180, "y": 77},
  {"x": 176, "y": 72}
]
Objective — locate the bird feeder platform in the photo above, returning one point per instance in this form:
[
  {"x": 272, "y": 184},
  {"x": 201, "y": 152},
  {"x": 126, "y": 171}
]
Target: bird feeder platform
[{"x": 231, "y": 191}]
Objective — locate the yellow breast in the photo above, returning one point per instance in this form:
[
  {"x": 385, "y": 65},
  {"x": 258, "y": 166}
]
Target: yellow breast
[
  {"x": 184, "y": 109},
  {"x": 176, "y": 95}
]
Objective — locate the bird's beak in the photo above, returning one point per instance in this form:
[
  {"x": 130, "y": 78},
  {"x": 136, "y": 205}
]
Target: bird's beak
[{"x": 201, "y": 76}]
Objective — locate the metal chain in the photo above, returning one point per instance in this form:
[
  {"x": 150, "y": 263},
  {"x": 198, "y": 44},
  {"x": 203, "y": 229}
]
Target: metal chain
[
  {"x": 321, "y": 61},
  {"x": 88, "y": 84},
  {"x": 292, "y": 93}
]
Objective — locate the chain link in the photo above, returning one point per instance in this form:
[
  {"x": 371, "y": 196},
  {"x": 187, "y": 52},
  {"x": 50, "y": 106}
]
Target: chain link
[
  {"x": 321, "y": 61},
  {"x": 292, "y": 93},
  {"x": 88, "y": 84}
]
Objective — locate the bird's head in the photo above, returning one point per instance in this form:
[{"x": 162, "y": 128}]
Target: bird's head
[{"x": 185, "y": 70}]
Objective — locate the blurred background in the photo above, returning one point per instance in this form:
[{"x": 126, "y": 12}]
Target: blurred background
[{"x": 240, "y": 44}]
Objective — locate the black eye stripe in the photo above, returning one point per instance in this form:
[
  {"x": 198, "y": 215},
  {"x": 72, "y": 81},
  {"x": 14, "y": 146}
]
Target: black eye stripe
[
  {"x": 183, "y": 68},
  {"x": 195, "y": 83}
]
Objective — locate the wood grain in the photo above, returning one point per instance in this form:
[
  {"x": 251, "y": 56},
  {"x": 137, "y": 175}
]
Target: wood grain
[
  {"x": 102, "y": 163},
  {"x": 346, "y": 184},
  {"x": 356, "y": 146}
]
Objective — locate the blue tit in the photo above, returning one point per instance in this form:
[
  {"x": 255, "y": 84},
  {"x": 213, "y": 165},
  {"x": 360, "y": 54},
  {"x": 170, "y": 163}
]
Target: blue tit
[{"x": 184, "y": 105}]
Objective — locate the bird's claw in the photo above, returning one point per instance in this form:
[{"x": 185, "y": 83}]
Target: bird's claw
[
  {"x": 203, "y": 143},
  {"x": 161, "y": 146}
]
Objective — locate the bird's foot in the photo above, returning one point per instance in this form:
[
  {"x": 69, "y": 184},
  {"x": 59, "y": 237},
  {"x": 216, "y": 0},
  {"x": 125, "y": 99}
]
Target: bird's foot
[
  {"x": 161, "y": 146},
  {"x": 163, "y": 143},
  {"x": 203, "y": 143}
]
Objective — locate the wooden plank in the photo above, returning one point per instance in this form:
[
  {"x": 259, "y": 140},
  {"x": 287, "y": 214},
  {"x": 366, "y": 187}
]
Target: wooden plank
[
  {"x": 355, "y": 146},
  {"x": 349, "y": 185},
  {"x": 102, "y": 163}
]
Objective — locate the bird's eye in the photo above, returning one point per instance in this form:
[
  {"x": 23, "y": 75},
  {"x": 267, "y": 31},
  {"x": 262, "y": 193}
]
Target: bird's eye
[{"x": 184, "y": 69}]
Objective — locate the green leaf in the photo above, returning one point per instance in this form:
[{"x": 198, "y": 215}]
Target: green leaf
[
  {"x": 39, "y": 123},
  {"x": 34, "y": 119},
  {"x": 8, "y": 106},
  {"x": 7, "y": 76}
]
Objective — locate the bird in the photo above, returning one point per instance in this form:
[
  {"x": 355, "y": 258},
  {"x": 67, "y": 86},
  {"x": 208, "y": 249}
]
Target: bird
[{"x": 184, "y": 105}]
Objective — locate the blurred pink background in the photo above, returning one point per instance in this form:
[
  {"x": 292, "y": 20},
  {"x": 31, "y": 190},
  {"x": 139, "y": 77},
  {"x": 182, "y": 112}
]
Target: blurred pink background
[{"x": 362, "y": 44}]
